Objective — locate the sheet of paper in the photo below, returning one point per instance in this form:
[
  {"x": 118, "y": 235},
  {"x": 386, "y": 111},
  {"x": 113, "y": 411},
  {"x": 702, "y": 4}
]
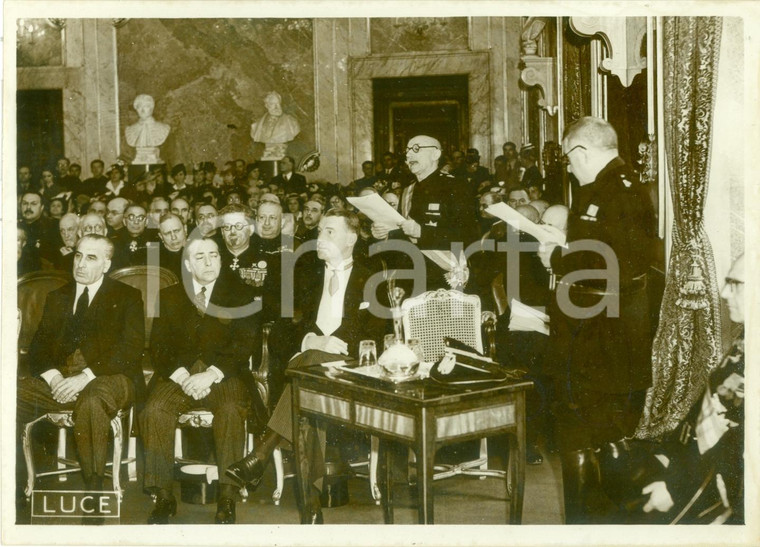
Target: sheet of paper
[
  {"x": 525, "y": 318},
  {"x": 377, "y": 209},
  {"x": 544, "y": 234}
]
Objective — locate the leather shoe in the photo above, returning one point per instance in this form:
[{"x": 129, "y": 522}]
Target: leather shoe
[
  {"x": 248, "y": 471},
  {"x": 312, "y": 517},
  {"x": 162, "y": 510},
  {"x": 225, "y": 511}
]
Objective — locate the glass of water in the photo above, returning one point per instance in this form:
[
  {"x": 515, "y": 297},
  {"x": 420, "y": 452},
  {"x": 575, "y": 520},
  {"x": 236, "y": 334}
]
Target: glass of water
[
  {"x": 415, "y": 345},
  {"x": 367, "y": 353}
]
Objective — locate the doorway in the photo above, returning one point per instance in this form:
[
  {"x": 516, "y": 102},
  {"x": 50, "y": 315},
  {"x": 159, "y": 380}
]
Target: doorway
[
  {"x": 39, "y": 129},
  {"x": 430, "y": 105}
]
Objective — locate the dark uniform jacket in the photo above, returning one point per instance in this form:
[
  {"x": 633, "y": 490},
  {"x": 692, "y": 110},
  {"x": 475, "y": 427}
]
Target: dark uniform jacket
[
  {"x": 605, "y": 354},
  {"x": 444, "y": 208},
  {"x": 129, "y": 250},
  {"x": 112, "y": 339}
]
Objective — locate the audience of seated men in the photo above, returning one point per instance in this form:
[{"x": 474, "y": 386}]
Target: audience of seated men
[
  {"x": 85, "y": 355},
  {"x": 200, "y": 346},
  {"x": 440, "y": 211}
]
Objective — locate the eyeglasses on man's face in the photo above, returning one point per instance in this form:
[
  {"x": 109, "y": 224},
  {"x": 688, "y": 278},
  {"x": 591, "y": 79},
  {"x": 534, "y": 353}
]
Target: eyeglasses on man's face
[
  {"x": 566, "y": 155},
  {"x": 135, "y": 218},
  {"x": 239, "y": 226},
  {"x": 733, "y": 284},
  {"x": 416, "y": 148}
]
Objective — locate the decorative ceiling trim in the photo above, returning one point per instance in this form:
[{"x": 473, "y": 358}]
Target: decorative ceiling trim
[{"x": 623, "y": 37}]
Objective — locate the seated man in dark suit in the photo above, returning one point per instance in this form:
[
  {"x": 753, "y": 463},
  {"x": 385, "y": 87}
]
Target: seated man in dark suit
[
  {"x": 200, "y": 345},
  {"x": 335, "y": 319},
  {"x": 85, "y": 355}
]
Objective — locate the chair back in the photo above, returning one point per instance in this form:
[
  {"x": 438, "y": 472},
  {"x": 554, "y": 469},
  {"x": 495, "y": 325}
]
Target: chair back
[
  {"x": 33, "y": 289},
  {"x": 499, "y": 294},
  {"x": 434, "y": 315},
  {"x": 150, "y": 280}
]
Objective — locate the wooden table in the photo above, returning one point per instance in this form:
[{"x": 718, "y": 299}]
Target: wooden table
[{"x": 422, "y": 415}]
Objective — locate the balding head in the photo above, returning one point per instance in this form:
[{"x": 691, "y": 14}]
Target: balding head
[
  {"x": 115, "y": 212},
  {"x": 528, "y": 212},
  {"x": 539, "y": 205},
  {"x": 422, "y": 155},
  {"x": 92, "y": 223},
  {"x": 69, "y": 228},
  {"x": 556, "y": 216}
]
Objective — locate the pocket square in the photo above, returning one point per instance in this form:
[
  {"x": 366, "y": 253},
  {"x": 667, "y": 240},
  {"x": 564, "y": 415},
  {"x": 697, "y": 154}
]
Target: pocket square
[{"x": 364, "y": 305}]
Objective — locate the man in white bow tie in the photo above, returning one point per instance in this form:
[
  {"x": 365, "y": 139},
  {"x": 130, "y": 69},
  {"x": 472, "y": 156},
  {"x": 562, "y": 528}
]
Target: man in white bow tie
[{"x": 335, "y": 319}]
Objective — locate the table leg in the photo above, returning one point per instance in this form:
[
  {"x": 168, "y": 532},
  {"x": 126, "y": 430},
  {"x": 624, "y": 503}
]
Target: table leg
[
  {"x": 425, "y": 461},
  {"x": 517, "y": 460},
  {"x": 386, "y": 455},
  {"x": 296, "y": 442}
]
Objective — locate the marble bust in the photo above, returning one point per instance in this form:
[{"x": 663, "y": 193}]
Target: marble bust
[
  {"x": 147, "y": 134},
  {"x": 275, "y": 129}
]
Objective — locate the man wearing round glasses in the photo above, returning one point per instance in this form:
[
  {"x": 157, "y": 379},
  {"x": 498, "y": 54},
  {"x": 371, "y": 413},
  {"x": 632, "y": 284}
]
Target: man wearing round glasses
[
  {"x": 131, "y": 244},
  {"x": 439, "y": 208},
  {"x": 599, "y": 351}
]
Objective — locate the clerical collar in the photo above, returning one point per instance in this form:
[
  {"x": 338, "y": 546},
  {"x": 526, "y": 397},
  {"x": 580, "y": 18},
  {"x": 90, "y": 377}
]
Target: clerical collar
[{"x": 241, "y": 251}]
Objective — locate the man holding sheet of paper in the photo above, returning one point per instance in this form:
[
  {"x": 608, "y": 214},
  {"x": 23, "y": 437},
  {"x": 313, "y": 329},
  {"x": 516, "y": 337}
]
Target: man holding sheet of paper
[
  {"x": 438, "y": 210},
  {"x": 599, "y": 350}
]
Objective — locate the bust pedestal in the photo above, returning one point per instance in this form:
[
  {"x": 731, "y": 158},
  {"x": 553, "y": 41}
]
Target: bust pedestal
[{"x": 147, "y": 155}]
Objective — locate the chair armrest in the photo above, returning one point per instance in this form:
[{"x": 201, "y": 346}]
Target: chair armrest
[
  {"x": 261, "y": 375},
  {"x": 488, "y": 322}
]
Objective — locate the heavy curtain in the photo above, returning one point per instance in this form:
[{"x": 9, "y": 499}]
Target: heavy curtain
[{"x": 688, "y": 340}]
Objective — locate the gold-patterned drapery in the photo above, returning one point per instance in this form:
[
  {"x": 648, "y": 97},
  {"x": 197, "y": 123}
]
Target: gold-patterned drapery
[{"x": 687, "y": 344}]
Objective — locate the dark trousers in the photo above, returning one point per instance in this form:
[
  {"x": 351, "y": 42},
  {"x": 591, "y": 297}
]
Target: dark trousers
[
  {"x": 313, "y": 441},
  {"x": 229, "y": 400},
  {"x": 94, "y": 409},
  {"x": 591, "y": 419}
]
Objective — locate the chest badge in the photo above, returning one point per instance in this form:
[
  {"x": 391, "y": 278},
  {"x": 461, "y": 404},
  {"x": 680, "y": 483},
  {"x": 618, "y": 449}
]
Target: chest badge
[{"x": 591, "y": 213}]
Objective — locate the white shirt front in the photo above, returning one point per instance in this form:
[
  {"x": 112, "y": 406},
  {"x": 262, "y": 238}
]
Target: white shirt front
[
  {"x": 117, "y": 190},
  {"x": 330, "y": 314}
]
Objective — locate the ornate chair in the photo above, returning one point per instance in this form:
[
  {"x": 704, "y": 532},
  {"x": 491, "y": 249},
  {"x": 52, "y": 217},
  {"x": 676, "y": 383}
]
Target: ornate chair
[
  {"x": 262, "y": 379},
  {"x": 429, "y": 318},
  {"x": 33, "y": 287},
  {"x": 63, "y": 420}
]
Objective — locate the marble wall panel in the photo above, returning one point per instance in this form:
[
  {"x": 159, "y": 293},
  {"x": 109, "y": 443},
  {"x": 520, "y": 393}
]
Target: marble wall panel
[
  {"x": 209, "y": 78},
  {"x": 38, "y": 43},
  {"x": 475, "y": 64},
  {"x": 408, "y": 34},
  {"x": 88, "y": 82}
]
